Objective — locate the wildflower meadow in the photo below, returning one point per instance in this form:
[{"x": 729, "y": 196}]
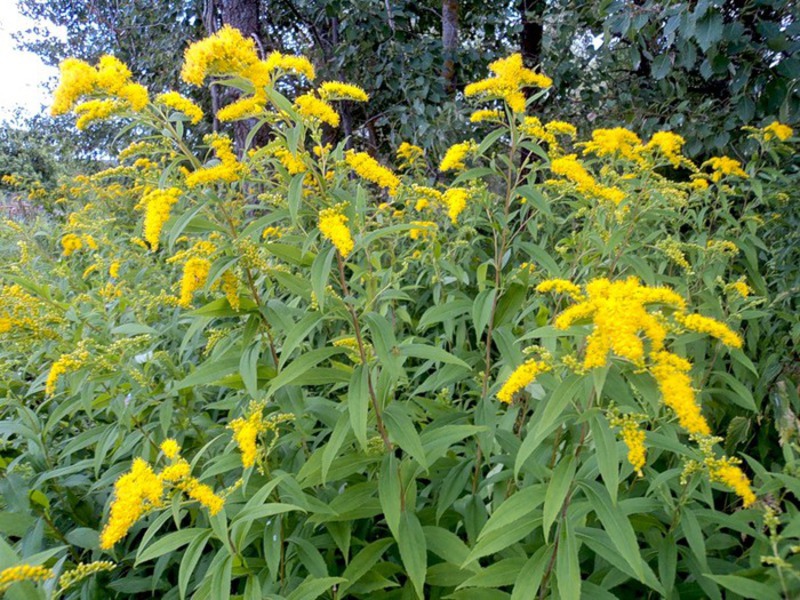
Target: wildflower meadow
[{"x": 550, "y": 361}]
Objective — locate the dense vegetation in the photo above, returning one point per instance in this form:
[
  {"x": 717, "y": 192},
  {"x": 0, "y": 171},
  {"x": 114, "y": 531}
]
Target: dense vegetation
[{"x": 545, "y": 362}]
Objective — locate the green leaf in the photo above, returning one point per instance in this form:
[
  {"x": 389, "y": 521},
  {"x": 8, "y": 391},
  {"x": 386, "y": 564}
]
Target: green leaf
[
  {"x": 443, "y": 312},
  {"x": 401, "y": 429},
  {"x": 385, "y": 344},
  {"x": 413, "y": 550},
  {"x": 526, "y": 586},
  {"x": 300, "y": 367},
  {"x": 543, "y": 420},
  {"x": 482, "y": 311},
  {"x": 320, "y": 271},
  {"x": 747, "y": 588},
  {"x": 295, "y": 195},
  {"x": 660, "y": 66},
  {"x": 248, "y": 367},
  {"x": 616, "y": 525},
  {"x": 606, "y": 453},
  {"x": 708, "y": 29},
  {"x": 297, "y": 334},
  {"x": 431, "y": 353},
  {"x": 557, "y": 490},
  {"x": 358, "y": 403},
  {"x": 515, "y": 508},
  {"x": 314, "y": 587},
  {"x": 209, "y": 372},
  {"x": 389, "y": 492},
  {"x": 168, "y": 543},
  {"x": 568, "y": 569},
  {"x": 191, "y": 556},
  {"x": 363, "y": 562},
  {"x": 339, "y": 434}
]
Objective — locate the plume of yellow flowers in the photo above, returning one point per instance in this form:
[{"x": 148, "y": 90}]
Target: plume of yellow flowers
[
  {"x": 293, "y": 163},
  {"x": 135, "y": 493},
  {"x": 71, "y": 243},
  {"x": 634, "y": 438},
  {"x": 182, "y": 104},
  {"x": 409, "y": 154},
  {"x": 157, "y": 207},
  {"x": 453, "y": 159},
  {"x": 422, "y": 229},
  {"x": 333, "y": 227},
  {"x": 777, "y": 130},
  {"x": 245, "y": 433},
  {"x": 314, "y": 109},
  {"x": 225, "y": 52},
  {"x": 571, "y": 168},
  {"x": 455, "y": 199},
  {"x": 370, "y": 169},
  {"x": 723, "y": 166},
  {"x": 66, "y": 363},
  {"x": 336, "y": 90},
  {"x": 510, "y": 77},
  {"x": 229, "y": 169},
  {"x": 726, "y": 471},
  {"x": 669, "y": 144},
  {"x": 617, "y": 141},
  {"x": 33, "y": 573},
  {"x": 195, "y": 274},
  {"x": 520, "y": 378}
]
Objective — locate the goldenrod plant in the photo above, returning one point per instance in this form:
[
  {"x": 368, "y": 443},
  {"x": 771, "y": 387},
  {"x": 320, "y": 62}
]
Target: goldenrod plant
[{"x": 299, "y": 370}]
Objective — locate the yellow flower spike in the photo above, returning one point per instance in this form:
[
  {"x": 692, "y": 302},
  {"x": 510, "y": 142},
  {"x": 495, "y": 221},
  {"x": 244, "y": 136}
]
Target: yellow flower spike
[
  {"x": 245, "y": 434},
  {"x": 32, "y": 573},
  {"x": 95, "y": 110},
  {"x": 203, "y": 494},
  {"x": 669, "y": 144},
  {"x": 77, "y": 79},
  {"x": 777, "y": 130},
  {"x": 71, "y": 243},
  {"x": 243, "y": 108},
  {"x": 294, "y": 165},
  {"x": 288, "y": 63},
  {"x": 520, "y": 378},
  {"x": 229, "y": 168},
  {"x": 180, "y": 103},
  {"x": 336, "y": 90},
  {"x": 135, "y": 493},
  {"x": 453, "y": 159},
  {"x": 486, "y": 114},
  {"x": 333, "y": 227},
  {"x": 727, "y": 472},
  {"x": 455, "y": 199},
  {"x": 723, "y": 166},
  {"x": 226, "y": 52},
  {"x": 370, "y": 169},
  {"x": 711, "y": 327},
  {"x": 510, "y": 78},
  {"x": 560, "y": 286},
  {"x": 634, "y": 438},
  {"x": 230, "y": 287},
  {"x": 423, "y": 229},
  {"x": 409, "y": 154},
  {"x": 195, "y": 274},
  {"x": 170, "y": 448},
  {"x": 670, "y": 372},
  {"x": 613, "y": 142},
  {"x": 315, "y": 109},
  {"x": 158, "y": 205}
]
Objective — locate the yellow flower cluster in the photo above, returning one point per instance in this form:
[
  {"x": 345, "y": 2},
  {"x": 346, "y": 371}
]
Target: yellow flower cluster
[
  {"x": 225, "y": 52},
  {"x": 453, "y": 159},
  {"x": 634, "y": 437},
  {"x": 176, "y": 101},
  {"x": 370, "y": 169},
  {"x": 409, "y": 154},
  {"x": 711, "y": 327},
  {"x": 726, "y": 471},
  {"x": 671, "y": 373},
  {"x": 510, "y": 78},
  {"x": 740, "y": 287},
  {"x": 111, "y": 79},
  {"x": 520, "y": 378},
  {"x": 195, "y": 274},
  {"x": 777, "y": 130},
  {"x": 66, "y": 363},
  {"x": 486, "y": 114},
  {"x": 455, "y": 199},
  {"x": 314, "y": 109},
  {"x": 135, "y": 493},
  {"x": 336, "y": 90},
  {"x": 113, "y": 270},
  {"x": 561, "y": 286},
  {"x": 229, "y": 169},
  {"x": 246, "y": 432},
  {"x": 723, "y": 166},
  {"x": 613, "y": 142},
  {"x": 299, "y": 65},
  {"x": 333, "y": 227},
  {"x": 669, "y": 144},
  {"x": 157, "y": 206},
  {"x": 33, "y": 573},
  {"x": 71, "y": 243},
  {"x": 230, "y": 287},
  {"x": 571, "y": 168},
  {"x": 422, "y": 229},
  {"x": 293, "y": 164}
]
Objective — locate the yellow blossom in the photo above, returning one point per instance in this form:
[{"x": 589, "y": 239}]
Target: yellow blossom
[
  {"x": 486, "y": 114},
  {"x": 82, "y": 571},
  {"x": 290, "y": 64},
  {"x": 370, "y": 169},
  {"x": 409, "y": 154},
  {"x": 723, "y": 166},
  {"x": 113, "y": 270},
  {"x": 71, "y": 243},
  {"x": 230, "y": 286},
  {"x": 634, "y": 438},
  {"x": 333, "y": 227},
  {"x": 777, "y": 130},
  {"x": 66, "y": 363},
  {"x": 158, "y": 204},
  {"x": 226, "y": 52},
  {"x": 244, "y": 108},
  {"x": 670, "y": 372},
  {"x": 454, "y": 157},
  {"x": 77, "y": 79},
  {"x": 313, "y": 108},
  {"x": 203, "y": 494},
  {"x": 455, "y": 199},
  {"x": 612, "y": 142},
  {"x": 33, "y": 573},
  {"x": 711, "y": 327},
  {"x": 182, "y": 104},
  {"x": 727, "y": 472},
  {"x": 423, "y": 229},
  {"x": 510, "y": 78},
  {"x": 669, "y": 144},
  {"x": 293, "y": 164},
  {"x": 245, "y": 433},
  {"x": 560, "y": 286},
  {"x": 520, "y": 378},
  {"x": 135, "y": 493},
  {"x": 95, "y": 110},
  {"x": 195, "y": 274},
  {"x": 170, "y": 448},
  {"x": 229, "y": 168},
  {"x": 336, "y": 90}
]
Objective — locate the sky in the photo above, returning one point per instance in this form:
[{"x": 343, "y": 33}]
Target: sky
[{"x": 22, "y": 74}]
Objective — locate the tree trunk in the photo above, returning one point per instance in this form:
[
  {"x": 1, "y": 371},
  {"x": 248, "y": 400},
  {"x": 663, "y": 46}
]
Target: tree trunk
[
  {"x": 449, "y": 44},
  {"x": 532, "y": 13},
  {"x": 243, "y": 15}
]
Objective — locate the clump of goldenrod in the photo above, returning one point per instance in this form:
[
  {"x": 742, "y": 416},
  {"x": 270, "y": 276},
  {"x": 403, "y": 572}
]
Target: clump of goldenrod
[{"x": 333, "y": 227}]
